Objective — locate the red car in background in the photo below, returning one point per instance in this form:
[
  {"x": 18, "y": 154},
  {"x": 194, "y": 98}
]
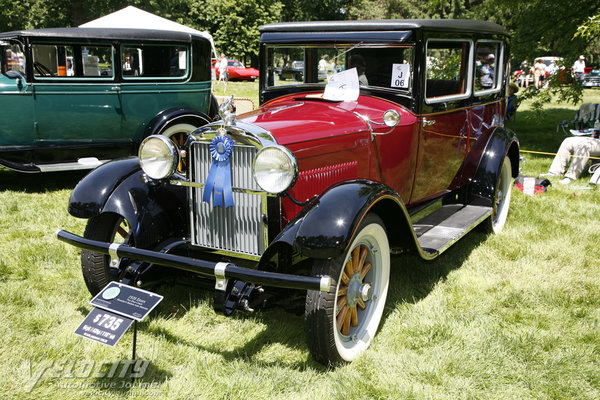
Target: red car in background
[{"x": 237, "y": 71}]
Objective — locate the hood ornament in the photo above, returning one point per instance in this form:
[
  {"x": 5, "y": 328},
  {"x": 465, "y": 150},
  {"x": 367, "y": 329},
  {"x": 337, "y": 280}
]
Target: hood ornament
[{"x": 227, "y": 111}]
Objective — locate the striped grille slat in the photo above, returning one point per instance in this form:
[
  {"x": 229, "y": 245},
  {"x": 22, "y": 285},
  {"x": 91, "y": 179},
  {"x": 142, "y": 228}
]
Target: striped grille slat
[{"x": 237, "y": 229}]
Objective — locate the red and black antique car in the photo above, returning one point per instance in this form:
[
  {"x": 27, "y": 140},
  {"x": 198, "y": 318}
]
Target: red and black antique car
[{"x": 392, "y": 141}]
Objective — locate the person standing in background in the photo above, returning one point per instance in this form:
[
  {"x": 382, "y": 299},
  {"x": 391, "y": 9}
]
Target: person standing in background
[
  {"x": 525, "y": 73},
  {"x": 539, "y": 72},
  {"x": 223, "y": 68},
  {"x": 579, "y": 68}
]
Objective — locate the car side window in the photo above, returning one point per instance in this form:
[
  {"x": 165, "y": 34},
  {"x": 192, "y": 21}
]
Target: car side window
[
  {"x": 448, "y": 72},
  {"x": 12, "y": 58},
  {"x": 488, "y": 67},
  {"x": 72, "y": 61},
  {"x": 154, "y": 61}
]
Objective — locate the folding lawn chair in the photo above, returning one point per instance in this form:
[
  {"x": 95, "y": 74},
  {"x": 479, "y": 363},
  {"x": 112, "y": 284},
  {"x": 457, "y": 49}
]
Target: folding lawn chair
[
  {"x": 585, "y": 118},
  {"x": 583, "y": 125}
]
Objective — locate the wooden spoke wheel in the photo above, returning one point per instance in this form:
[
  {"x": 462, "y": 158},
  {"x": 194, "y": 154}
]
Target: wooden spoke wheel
[{"x": 341, "y": 322}]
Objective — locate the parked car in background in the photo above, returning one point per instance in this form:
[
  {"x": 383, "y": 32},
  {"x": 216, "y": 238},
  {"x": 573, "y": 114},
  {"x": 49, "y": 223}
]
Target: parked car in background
[
  {"x": 591, "y": 79},
  {"x": 73, "y": 98},
  {"x": 301, "y": 202},
  {"x": 294, "y": 70},
  {"x": 548, "y": 61},
  {"x": 237, "y": 71}
]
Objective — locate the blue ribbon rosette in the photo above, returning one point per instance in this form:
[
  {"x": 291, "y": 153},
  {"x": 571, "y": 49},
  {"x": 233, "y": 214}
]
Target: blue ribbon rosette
[{"x": 218, "y": 183}]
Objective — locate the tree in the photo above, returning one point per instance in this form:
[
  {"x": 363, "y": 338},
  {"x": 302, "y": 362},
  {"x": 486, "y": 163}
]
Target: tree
[
  {"x": 13, "y": 14},
  {"x": 32, "y": 14},
  {"x": 385, "y": 9},
  {"x": 314, "y": 10},
  {"x": 590, "y": 28},
  {"x": 538, "y": 27},
  {"x": 541, "y": 27},
  {"x": 590, "y": 31},
  {"x": 234, "y": 24}
]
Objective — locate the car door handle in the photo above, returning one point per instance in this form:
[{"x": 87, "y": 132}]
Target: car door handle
[
  {"x": 428, "y": 122},
  {"x": 115, "y": 88}
]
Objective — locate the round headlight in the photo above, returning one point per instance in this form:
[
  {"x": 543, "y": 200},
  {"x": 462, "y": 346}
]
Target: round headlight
[
  {"x": 275, "y": 169},
  {"x": 158, "y": 156}
]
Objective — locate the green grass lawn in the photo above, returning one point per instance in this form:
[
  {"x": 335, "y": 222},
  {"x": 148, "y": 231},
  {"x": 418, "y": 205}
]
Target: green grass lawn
[
  {"x": 244, "y": 89},
  {"x": 510, "y": 316}
]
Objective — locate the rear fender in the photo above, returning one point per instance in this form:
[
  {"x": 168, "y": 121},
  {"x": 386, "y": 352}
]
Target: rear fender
[{"x": 502, "y": 143}]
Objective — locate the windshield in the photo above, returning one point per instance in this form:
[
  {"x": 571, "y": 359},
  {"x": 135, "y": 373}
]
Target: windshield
[{"x": 378, "y": 66}]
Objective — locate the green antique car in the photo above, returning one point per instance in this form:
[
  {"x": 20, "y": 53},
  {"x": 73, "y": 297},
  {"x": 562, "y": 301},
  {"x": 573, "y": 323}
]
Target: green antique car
[{"x": 73, "y": 98}]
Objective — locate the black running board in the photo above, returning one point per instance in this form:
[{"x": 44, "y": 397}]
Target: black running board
[{"x": 439, "y": 230}]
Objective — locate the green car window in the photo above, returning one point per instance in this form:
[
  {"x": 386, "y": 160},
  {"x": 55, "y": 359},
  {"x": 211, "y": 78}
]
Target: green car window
[
  {"x": 154, "y": 61},
  {"x": 72, "y": 61}
]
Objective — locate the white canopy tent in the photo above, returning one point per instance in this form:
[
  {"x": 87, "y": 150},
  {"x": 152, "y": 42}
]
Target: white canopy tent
[{"x": 132, "y": 17}]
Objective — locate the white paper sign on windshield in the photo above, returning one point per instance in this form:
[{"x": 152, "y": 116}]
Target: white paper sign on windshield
[
  {"x": 342, "y": 86},
  {"x": 400, "y": 76}
]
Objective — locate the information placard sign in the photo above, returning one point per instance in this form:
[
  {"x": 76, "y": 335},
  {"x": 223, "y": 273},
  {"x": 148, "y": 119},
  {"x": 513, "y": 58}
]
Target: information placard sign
[
  {"x": 103, "y": 326},
  {"x": 126, "y": 300},
  {"x": 400, "y": 76},
  {"x": 343, "y": 86}
]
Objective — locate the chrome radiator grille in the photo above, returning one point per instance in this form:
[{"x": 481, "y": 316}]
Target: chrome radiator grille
[{"x": 237, "y": 229}]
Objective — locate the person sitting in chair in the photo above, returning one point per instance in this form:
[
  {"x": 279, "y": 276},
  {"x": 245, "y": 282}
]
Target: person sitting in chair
[{"x": 581, "y": 148}]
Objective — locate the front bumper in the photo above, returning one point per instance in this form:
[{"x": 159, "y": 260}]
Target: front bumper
[{"x": 219, "y": 270}]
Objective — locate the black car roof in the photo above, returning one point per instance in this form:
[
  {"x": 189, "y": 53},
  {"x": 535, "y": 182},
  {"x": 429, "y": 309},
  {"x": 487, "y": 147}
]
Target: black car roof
[
  {"x": 446, "y": 25},
  {"x": 104, "y": 33}
]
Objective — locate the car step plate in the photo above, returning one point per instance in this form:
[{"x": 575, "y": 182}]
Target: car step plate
[{"x": 440, "y": 229}]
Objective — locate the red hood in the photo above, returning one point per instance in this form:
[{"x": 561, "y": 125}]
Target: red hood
[{"x": 292, "y": 121}]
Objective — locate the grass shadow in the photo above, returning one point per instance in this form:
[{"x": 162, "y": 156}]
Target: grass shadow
[
  {"x": 39, "y": 182},
  {"x": 282, "y": 327},
  {"x": 537, "y": 130},
  {"x": 412, "y": 278}
]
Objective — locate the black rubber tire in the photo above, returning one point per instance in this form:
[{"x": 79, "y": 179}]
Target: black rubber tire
[
  {"x": 96, "y": 269},
  {"x": 327, "y": 343}
]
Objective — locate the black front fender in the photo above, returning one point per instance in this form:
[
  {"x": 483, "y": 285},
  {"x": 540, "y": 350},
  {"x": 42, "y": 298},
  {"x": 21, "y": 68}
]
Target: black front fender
[
  {"x": 154, "y": 211},
  {"x": 326, "y": 227},
  {"x": 91, "y": 193}
]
